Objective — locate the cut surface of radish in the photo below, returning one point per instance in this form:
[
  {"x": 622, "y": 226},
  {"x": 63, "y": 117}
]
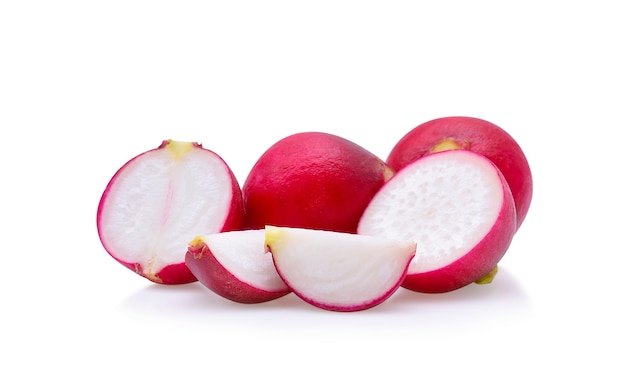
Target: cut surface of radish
[
  {"x": 235, "y": 265},
  {"x": 476, "y": 135},
  {"x": 456, "y": 206},
  {"x": 162, "y": 198},
  {"x": 338, "y": 271}
]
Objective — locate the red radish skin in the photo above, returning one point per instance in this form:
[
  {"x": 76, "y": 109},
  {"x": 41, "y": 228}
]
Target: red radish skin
[
  {"x": 477, "y": 135},
  {"x": 129, "y": 225},
  {"x": 312, "y": 180},
  {"x": 427, "y": 202},
  {"x": 212, "y": 274}
]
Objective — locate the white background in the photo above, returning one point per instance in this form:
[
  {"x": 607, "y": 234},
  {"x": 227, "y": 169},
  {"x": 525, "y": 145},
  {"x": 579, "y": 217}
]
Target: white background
[{"x": 84, "y": 86}]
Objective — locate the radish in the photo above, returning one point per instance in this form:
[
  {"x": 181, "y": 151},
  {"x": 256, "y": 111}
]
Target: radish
[
  {"x": 159, "y": 200},
  {"x": 458, "y": 208},
  {"x": 477, "y": 135},
  {"x": 312, "y": 180},
  {"x": 338, "y": 271},
  {"x": 236, "y": 266}
]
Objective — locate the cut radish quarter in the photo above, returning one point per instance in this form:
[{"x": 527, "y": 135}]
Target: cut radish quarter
[
  {"x": 338, "y": 271},
  {"x": 161, "y": 199},
  {"x": 236, "y": 266},
  {"x": 457, "y": 206}
]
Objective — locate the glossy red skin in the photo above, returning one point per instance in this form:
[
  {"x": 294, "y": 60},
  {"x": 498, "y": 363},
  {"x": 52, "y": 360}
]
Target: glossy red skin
[
  {"x": 290, "y": 184},
  {"x": 479, "y": 261},
  {"x": 479, "y": 136},
  {"x": 175, "y": 273},
  {"x": 212, "y": 274}
]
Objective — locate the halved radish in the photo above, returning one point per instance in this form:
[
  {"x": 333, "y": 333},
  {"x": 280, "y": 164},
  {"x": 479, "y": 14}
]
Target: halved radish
[
  {"x": 479, "y": 136},
  {"x": 161, "y": 199},
  {"x": 457, "y": 207}
]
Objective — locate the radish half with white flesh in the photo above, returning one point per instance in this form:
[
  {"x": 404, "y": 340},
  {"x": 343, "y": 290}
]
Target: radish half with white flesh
[
  {"x": 236, "y": 266},
  {"x": 161, "y": 199},
  {"x": 458, "y": 208},
  {"x": 338, "y": 271}
]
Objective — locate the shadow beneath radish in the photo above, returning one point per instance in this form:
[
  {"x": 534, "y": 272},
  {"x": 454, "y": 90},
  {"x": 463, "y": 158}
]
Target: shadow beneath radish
[
  {"x": 502, "y": 301},
  {"x": 504, "y": 288},
  {"x": 194, "y": 298}
]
